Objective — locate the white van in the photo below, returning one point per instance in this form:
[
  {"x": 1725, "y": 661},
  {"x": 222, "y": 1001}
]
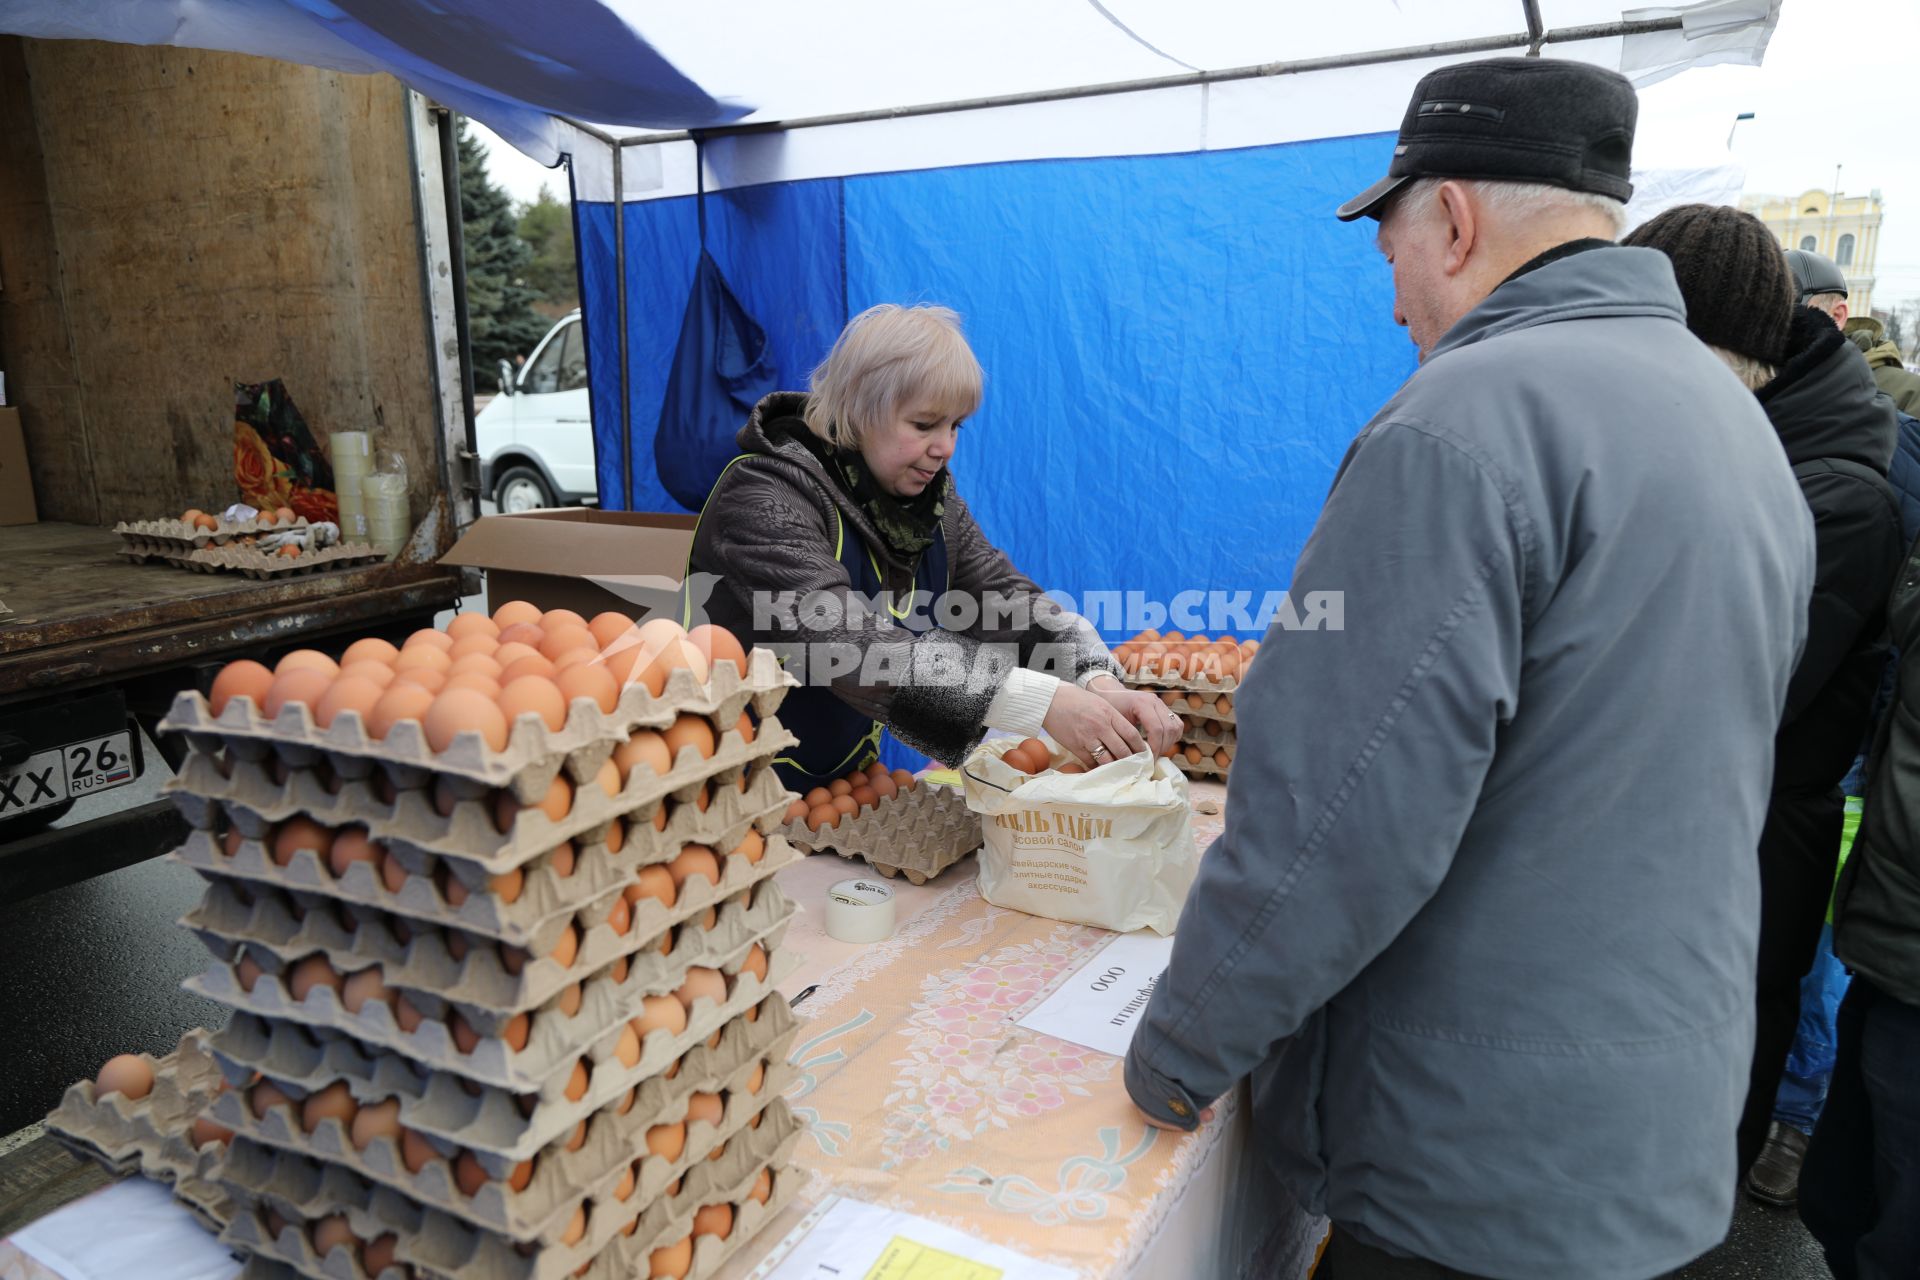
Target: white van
[{"x": 535, "y": 439}]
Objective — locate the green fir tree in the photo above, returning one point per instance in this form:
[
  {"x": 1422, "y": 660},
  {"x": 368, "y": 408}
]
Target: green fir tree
[
  {"x": 547, "y": 226},
  {"x": 500, "y": 297}
]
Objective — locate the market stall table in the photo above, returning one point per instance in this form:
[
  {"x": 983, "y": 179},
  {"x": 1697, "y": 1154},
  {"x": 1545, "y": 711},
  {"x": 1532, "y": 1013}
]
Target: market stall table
[{"x": 923, "y": 1095}]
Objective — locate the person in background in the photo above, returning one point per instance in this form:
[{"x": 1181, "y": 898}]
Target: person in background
[
  {"x": 1838, "y": 434},
  {"x": 1775, "y": 1176},
  {"x": 1890, "y": 373},
  {"x": 841, "y": 496},
  {"x": 1481, "y": 923}
]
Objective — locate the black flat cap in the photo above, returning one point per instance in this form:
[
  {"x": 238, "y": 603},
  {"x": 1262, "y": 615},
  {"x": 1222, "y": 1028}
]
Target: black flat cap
[{"x": 1563, "y": 124}]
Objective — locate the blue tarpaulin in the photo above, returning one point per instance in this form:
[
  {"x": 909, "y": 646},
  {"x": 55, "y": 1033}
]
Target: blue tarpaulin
[{"x": 1178, "y": 348}]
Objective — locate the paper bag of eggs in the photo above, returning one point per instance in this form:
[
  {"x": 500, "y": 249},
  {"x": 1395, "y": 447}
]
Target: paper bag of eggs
[{"x": 1109, "y": 846}]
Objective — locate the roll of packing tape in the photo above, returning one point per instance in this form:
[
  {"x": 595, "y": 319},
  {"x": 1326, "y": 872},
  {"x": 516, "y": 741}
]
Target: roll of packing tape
[{"x": 860, "y": 911}]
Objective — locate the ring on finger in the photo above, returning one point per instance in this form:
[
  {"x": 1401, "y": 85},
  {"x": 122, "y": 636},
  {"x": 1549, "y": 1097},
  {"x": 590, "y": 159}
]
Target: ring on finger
[{"x": 1098, "y": 749}]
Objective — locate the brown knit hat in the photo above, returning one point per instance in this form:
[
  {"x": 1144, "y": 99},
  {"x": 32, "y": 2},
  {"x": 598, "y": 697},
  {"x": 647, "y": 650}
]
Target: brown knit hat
[{"x": 1732, "y": 273}]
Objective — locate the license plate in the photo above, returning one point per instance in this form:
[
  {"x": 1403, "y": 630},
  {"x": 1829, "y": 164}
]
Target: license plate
[{"x": 77, "y": 769}]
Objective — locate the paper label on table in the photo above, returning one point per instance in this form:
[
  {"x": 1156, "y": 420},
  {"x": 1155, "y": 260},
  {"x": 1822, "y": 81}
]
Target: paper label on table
[
  {"x": 850, "y": 1238},
  {"x": 1101, "y": 1003}
]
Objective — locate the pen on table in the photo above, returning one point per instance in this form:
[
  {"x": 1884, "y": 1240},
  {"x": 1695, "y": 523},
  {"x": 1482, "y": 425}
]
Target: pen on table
[{"x": 803, "y": 995}]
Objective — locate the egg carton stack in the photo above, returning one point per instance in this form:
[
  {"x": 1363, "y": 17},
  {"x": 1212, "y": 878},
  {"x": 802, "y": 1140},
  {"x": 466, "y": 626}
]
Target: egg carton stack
[
  {"x": 1196, "y": 678},
  {"x": 503, "y": 1011},
  {"x": 162, "y": 1134},
  {"x": 263, "y": 547},
  {"x": 898, "y": 824}
]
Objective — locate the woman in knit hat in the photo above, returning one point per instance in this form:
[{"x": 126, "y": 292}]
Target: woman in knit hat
[{"x": 1819, "y": 395}]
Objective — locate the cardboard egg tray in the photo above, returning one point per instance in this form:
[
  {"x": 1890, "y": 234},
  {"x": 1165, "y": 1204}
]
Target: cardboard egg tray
[
  {"x": 614, "y": 1143},
  {"x": 918, "y": 833},
  {"x": 555, "y": 1041},
  {"x": 501, "y": 1126},
  {"x": 174, "y": 534},
  {"x": 1209, "y": 709},
  {"x": 252, "y": 562},
  {"x": 152, "y": 1135},
  {"x": 245, "y": 793},
  {"x": 439, "y": 1245},
  {"x": 534, "y": 754}
]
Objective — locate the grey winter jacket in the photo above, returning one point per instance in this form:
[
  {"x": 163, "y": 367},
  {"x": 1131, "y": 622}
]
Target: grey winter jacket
[
  {"x": 771, "y": 525},
  {"x": 1482, "y": 924}
]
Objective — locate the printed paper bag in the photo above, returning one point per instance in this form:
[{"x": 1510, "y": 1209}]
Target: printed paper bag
[{"x": 1110, "y": 847}]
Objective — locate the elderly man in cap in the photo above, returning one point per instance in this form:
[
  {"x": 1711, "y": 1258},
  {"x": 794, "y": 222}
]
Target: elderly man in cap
[{"x": 1482, "y": 924}]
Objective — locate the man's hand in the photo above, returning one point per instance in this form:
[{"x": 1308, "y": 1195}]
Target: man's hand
[
  {"x": 1206, "y": 1117},
  {"x": 1090, "y": 727},
  {"x": 1157, "y": 724}
]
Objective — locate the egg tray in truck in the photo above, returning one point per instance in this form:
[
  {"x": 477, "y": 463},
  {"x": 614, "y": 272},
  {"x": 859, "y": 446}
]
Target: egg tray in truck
[
  {"x": 251, "y": 562},
  {"x": 158, "y": 537},
  {"x": 917, "y": 834},
  {"x": 152, "y": 1136}
]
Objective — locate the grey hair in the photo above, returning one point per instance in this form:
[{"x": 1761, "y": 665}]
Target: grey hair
[
  {"x": 1753, "y": 374},
  {"x": 1526, "y": 198},
  {"x": 1825, "y": 301},
  {"x": 887, "y": 356}
]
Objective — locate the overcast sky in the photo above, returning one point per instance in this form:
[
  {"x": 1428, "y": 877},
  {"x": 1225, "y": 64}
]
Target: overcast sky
[{"x": 1834, "y": 89}]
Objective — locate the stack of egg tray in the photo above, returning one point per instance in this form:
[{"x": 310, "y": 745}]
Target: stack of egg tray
[
  {"x": 1207, "y": 731},
  {"x": 917, "y": 834},
  {"x": 152, "y": 1136},
  {"x": 527, "y": 1163}
]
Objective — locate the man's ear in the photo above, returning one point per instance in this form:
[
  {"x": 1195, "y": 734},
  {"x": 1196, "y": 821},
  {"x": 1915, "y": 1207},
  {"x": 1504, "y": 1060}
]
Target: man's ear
[
  {"x": 1840, "y": 313},
  {"x": 1462, "y": 229}
]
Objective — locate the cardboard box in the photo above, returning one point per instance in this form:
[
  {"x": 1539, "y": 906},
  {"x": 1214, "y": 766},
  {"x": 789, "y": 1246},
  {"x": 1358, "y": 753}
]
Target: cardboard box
[
  {"x": 16, "y": 486},
  {"x": 579, "y": 558}
]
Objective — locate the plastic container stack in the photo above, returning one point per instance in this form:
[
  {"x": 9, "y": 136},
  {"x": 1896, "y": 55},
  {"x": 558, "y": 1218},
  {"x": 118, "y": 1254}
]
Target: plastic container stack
[
  {"x": 1196, "y": 678},
  {"x": 503, "y": 1000},
  {"x": 352, "y": 456},
  {"x": 384, "y": 491}
]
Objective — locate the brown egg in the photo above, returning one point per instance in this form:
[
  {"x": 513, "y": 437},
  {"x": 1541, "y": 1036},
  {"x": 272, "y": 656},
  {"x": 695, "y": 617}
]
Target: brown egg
[
  {"x": 423, "y": 677},
  {"x": 465, "y": 625},
  {"x": 284, "y": 515},
  {"x": 717, "y": 644},
  {"x": 673, "y": 656},
  {"x": 819, "y": 796},
  {"x": 705, "y": 1106},
  {"x": 561, "y": 859},
  {"x": 484, "y": 664},
  {"x": 528, "y": 666},
  {"x": 529, "y": 634},
  {"x": 380, "y": 1253},
  {"x": 592, "y": 682},
  {"x": 620, "y": 916},
  {"x": 334, "y": 1102},
  {"x": 569, "y": 1000},
  {"x": 516, "y": 611},
  {"x": 796, "y": 812},
  {"x": 820, "y": 816},
  {"x": 374, "y": 1121},
  {"x": 127, "y": 1074},
  {"x": 667, "y": 1141},
  {"x": 885, "y": 788},
  {"x": 465, "y": 1038},
  {"x": 658, "y": 1012},
  {"x": 557, "y": 803},
  {"x": 401, "y": 701},
  {"x": 351, "y": 845},
  {"x": 247, "y": 972},
  {"x": 303, "y": 685},
  {"x": 577, "y": 1082},
  {"x": 349, "y": 693},
  {"x": 837, "y": 788},
  {"x": 713, "y": 1220},
  {"x": 508, "y": 654},
  {"x": 565, "y": 950},
  {"x": 659, "y": 819},
  {"x": 623, "y": 1189},
  {"x": 368, "y": 984},
  {"x": 230, "y": 841},
  {"x": 205, "y": 1129},
  {"x": 536, "y": 696},
  {"x": 845, "y": 806},
  {"x": 522, "y": 1176},
  {"x": 702, "y": 982},
  {"x": 627, "y": 1047},
  {"x": 607, "y": 778},
  {"x": 416, "y": 1152},
  {"x": 1073, "y": 766},
  {"x": 392, "y": 874},
  {"x": 1038, "y": 752},
  {"x": 312, "y": 972},
  {"x": 865, "y": 797},
  {"x": 242, "y": 679},
  {"x": 508, "y": 885},
  {"x": 484, "y": 685},
  {"x": 752, "y": 846},
  {"x": 430, "y": 649},
  {"x": 307, "y": 660},
  {"x": 301, "y": 832},
  {"x": 369, "y": 649},
  {"x": 616, "y": 837},
  {"x": 693, "y": 861},
  {"x": 644, "y": 747},
  {"x": 576, "y": 1228},
  {"x": 264, "y": 1096},
  {"x": 563, "y": 638},
  {"x": 469, "y": 1175},
  {"x": 332, "y": 1232},
  {"x": 652, "y": 881},
  {"x": 445, "y": 798},
  {"x": 607, "y": 626},
  {"x": 757, "y": 1078},
  {"x": 190, "y": 515},
  {"x": 756, "y": 962},
  {"x": 690, "y": 731},
  {"x": 1192, "y": 753},
  {"x": 671, "y": 1262},
  {"x": 406, "y": 1015},
  {"x": 472, "y": 646},
  {"x": 762, "y": 1186},
  {"x": 462, "y": 711}
]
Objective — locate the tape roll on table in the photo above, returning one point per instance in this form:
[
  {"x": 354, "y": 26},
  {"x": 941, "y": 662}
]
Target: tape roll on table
[{"x": 860, "y": 911}]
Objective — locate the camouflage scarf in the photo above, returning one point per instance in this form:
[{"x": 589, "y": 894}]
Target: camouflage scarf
[{"x": 906, "y": 525}]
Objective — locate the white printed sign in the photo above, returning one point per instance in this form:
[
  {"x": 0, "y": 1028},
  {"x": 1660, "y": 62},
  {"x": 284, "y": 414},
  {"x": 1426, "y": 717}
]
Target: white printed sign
[{"x": 1101, "y": 1003}]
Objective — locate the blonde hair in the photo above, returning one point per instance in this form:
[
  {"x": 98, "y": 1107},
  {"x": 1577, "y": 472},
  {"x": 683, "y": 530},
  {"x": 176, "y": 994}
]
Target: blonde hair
[
  {"x": 886, "y": 356},
  {"x": 1753, "y": 374}
]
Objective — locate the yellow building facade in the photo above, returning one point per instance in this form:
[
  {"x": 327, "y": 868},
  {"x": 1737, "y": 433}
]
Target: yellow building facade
[{"x": 1841, "y": 227}]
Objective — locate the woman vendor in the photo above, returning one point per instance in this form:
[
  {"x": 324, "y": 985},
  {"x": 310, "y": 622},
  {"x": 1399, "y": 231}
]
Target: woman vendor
[{"x": 841, "y": 518}]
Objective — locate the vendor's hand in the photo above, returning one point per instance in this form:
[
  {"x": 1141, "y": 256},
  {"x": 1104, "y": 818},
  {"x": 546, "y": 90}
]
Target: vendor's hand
[
  {"x": 1090, "y": 727},
  {"x": 1206, "y": 1117},
  {"x": 1160, "y": 726}
]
